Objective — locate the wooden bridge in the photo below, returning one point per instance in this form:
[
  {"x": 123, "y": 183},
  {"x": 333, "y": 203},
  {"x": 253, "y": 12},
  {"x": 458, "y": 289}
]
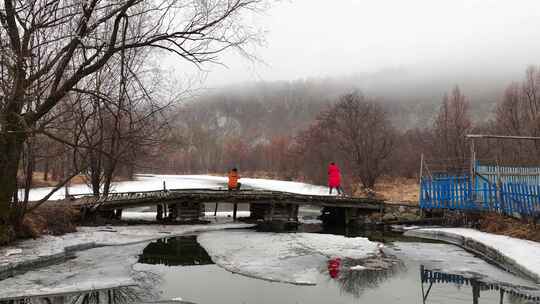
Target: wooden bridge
[{"x": 188, "y": 204}]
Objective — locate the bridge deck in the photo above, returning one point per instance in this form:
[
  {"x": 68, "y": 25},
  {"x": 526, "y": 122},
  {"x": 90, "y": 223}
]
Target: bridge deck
[{"x": 149, "y": 198}]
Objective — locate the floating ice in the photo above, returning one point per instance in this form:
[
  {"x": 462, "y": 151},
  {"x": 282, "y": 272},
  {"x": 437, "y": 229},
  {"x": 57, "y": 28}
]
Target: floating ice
[{"x": 295, "y": 258}]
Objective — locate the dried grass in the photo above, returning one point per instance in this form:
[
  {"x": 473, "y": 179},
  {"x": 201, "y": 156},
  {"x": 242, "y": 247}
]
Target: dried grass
[
  {"x": 54, "y": 219},
  {"x": 521, "y": 229},
  {"x": 394, "y": 190}
]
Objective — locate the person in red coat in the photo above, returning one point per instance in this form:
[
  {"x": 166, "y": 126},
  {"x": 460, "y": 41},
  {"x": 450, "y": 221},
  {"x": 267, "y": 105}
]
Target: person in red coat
[{"x": 334, "y": 178}]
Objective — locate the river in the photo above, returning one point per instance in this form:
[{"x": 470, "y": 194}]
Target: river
[{"x": 179, "y": 268}]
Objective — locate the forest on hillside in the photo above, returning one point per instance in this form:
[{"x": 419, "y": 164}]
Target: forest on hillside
[{"x": 292, "y": 130}]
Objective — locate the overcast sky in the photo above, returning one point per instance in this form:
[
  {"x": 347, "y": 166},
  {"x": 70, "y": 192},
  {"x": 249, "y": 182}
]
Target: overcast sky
[{"x": 315, "y": 38}]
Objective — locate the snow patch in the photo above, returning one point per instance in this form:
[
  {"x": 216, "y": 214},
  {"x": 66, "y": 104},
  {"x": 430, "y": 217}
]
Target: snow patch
[{"x": 151, "y": 216}]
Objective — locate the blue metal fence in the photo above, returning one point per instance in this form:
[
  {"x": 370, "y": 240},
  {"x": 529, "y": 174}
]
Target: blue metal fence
[{"x": 504, "y": 193}]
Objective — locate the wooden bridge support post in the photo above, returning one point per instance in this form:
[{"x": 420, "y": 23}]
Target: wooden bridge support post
[
  {"x": 347, "y": 216},
  {"x": 296, "y": 210},
  {"x": 118, "y": 214},
  {"x": 289, "y": 212},
  {"x": 272, "y": 209},
  {"x": 235, "y": 210},
  {"x": 159, "y": 214},
  {"x": 173, "y": 211},
  {"x": 292, "y": 212}
]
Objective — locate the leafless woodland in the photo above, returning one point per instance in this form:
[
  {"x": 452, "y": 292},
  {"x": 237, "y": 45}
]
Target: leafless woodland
[
  {"x": 76, "y": 94},
  {"x": 81, "y": 94}
]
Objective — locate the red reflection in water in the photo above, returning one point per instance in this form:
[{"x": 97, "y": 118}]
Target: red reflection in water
[{"x": 333, "y": 267}]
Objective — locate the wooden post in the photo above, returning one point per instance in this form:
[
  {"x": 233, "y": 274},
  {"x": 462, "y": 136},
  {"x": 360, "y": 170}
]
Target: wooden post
[
  {"x": 296, "y": 209},
  {"x": 502, "y": 296},
  {"x": 235, "y": 209},
  {"x": 419, "y": 184},
  {"x": 473, "y": 170},
  {"x": 272, "y": 206},
  {"x": 289, "y": 212},
  {"x": 118, "y": 214},
  {"x": 159, "y": 215}
]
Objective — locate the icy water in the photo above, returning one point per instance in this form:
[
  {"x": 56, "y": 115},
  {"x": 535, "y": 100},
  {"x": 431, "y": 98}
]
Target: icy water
[
  {"x": 182, "y": 270},
  {"x": 204, "y": 282}
]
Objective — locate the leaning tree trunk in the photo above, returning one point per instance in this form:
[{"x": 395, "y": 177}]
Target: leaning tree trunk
[{"x": 11, "y": 145}]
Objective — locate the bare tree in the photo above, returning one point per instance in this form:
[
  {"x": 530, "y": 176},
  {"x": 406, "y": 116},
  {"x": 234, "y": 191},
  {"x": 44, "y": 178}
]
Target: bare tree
[
  {"x": 518, "y": 113},
  {"x": 451, "y": 127},
  {"x": 362, "y": 130},
  {"x": 50, "y": 46}
]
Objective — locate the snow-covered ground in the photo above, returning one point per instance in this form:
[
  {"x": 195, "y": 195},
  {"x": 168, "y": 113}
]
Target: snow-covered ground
[
  {"x": 145, "y": 182},
  {"x": 151, "y": 216},
  {"x": 523, "y": 254},
  {"x": 295, "y": 258}
]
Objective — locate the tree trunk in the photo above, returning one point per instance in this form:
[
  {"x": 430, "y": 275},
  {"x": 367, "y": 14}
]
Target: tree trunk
[
  {"x": 46, "y": 169},
  {"x": 95, "y": 173},
  {"x": 10, "y": 154},
  {"x": 109, "y": 171}
]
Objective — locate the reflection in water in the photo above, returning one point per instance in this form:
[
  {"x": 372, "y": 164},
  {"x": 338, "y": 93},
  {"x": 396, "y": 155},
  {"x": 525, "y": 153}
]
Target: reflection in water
[
  {"x": 177, "y": 251},
  {"x": 355, "y": 276},
  {"x": 515, "y": 294},
  {"x": 120, "y": 295}
]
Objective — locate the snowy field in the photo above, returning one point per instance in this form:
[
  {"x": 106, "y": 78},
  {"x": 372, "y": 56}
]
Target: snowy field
[
  {"x": 145, "y": 182},
  {"x": 524, "y": 254},
  {"x": 295, "y": 258}
]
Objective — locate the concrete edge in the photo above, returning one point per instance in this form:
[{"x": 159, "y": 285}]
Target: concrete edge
[{"x": 485, "y": 251}]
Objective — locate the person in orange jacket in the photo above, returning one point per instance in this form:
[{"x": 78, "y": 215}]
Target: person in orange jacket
[{"x": 233, "y": 180}]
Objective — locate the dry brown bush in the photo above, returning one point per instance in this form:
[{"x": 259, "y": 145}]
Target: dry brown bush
[{"x": 50, "y": 219}]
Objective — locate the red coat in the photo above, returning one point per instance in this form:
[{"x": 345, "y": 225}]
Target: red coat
[{"x": 334, "y": 177}]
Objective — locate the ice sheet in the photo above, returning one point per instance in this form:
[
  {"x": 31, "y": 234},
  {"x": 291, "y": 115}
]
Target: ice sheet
[
  {"x": 51, "y": 246},
  {"x": 525, "y": 254},
  {"x": 287, "y": 257}
]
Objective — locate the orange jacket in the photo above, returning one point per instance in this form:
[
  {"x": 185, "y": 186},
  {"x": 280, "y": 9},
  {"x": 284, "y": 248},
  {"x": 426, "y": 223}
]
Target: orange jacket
[{"x": 233, "y": 179}]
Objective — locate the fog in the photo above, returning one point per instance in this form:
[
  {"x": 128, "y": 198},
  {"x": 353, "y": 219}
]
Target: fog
[{"x": 478, "y": 44}]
